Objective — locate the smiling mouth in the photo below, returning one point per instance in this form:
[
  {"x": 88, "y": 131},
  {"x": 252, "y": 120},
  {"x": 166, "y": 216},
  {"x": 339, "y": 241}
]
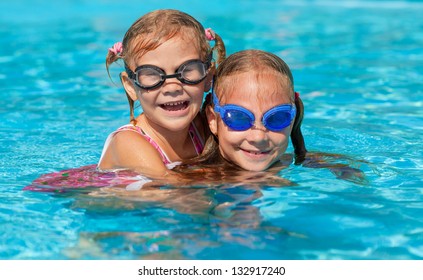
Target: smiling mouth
[
  {"x": 256, "y": 153},
  {"x": 175, "y": 106}
]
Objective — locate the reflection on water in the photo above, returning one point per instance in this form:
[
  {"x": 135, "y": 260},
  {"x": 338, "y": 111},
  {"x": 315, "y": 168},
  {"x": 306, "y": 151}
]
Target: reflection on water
[{"x": 162, "y": 221}]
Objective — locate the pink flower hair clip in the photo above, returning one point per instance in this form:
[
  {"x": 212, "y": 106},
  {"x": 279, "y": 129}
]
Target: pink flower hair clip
[
  {"x": 117, "y": 48},
  {"x": 210, "y": 35}
]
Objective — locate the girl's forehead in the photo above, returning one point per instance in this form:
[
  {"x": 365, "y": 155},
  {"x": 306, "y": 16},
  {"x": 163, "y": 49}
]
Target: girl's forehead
[
  {"x": 256, "y": 86},
  {"x": 150, "y": 42}
]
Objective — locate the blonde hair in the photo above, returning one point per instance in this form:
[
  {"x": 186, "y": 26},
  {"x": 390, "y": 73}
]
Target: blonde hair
[{"x": 157, "y": 27}]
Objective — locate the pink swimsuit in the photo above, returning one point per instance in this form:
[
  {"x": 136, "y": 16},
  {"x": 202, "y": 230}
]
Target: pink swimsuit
[
  {"x": 193, "y": 133},
  {"x": 91, "y": 177}
]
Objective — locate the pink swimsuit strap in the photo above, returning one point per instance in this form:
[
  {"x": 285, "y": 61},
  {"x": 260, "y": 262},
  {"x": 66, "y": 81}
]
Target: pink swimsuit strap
[
  {"x": 196, "y": 138},
  {"x": 193, "y": 133}
]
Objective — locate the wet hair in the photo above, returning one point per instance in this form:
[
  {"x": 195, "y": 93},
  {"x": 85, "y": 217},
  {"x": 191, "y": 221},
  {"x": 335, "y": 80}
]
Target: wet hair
[
  {"x": 241, "y": 62},
  {"x": 250, "y": 61},
  {"x": 153, "y": 29}
]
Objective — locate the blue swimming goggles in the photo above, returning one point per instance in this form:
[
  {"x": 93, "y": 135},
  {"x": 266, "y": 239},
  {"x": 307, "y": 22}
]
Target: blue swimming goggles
[{"x": 239, "y": 118}]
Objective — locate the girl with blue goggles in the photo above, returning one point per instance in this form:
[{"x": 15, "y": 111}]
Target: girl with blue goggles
[{"x": 265, "y": 78}]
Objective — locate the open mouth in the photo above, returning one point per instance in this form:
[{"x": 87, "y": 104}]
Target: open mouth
[{"x": 175, "y": 106}]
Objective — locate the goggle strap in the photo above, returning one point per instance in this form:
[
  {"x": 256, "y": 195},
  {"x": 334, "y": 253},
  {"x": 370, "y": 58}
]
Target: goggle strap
[{"x": 131, "y": 74}]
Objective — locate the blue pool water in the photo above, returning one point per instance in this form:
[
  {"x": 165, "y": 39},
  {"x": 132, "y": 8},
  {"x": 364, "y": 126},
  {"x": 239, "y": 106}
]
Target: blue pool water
[{"x": 358, "y": 66}]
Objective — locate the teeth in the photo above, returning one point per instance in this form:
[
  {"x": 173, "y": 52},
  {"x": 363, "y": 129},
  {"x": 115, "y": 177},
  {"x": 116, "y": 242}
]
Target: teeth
[{"x": 174, "y": 103}]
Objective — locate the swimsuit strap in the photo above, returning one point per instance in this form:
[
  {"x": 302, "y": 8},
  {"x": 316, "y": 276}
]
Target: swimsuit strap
[
  {"x": 196, "y": 138},
  {"x": 194, "y": 134}
]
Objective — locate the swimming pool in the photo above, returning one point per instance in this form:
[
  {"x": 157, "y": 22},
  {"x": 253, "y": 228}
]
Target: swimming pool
[{"x": 358, "y": 66}]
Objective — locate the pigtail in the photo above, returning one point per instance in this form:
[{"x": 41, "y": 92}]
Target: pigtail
[
  {"x": 110, "y": 58},
  {"x": 113, "y": 55},
  {"x": 297, "y": 138},
  {"x": 207, "y": 102},
  {"x": 210, "y": 152},
  {"x": 209, "y": 155},
  {"x": 203, "y": 116},
  {"x": 131, "y": 102},
  {"x": 219, "y": 47}
]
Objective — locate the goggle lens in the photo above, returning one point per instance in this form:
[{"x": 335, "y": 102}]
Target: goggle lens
[
  {"x": 237, "y": 120},
  {"x": 149, "y": 77},
  {"x": 278, "y": 119},
  {"x": 194, "y": 72}
]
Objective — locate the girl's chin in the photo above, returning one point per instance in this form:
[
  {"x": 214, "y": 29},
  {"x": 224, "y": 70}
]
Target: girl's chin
[{"x": 254, "y": 166}]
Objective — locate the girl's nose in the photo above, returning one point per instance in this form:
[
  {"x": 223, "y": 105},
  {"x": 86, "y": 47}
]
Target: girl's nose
[
  {"x": 257, "y": 133},
  {"x": 172, "y": 85}
]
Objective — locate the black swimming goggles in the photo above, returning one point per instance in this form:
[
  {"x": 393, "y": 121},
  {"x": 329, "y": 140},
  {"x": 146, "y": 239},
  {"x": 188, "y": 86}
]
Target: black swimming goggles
[{"x": 147, "y": 77}]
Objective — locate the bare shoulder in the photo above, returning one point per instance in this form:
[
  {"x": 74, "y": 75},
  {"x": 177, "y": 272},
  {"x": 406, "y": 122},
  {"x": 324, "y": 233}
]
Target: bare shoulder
[{"x": 128, "y": 149}]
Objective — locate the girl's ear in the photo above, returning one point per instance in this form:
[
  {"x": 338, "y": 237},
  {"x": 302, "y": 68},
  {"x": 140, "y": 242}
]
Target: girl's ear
[
  {"x": 211, "y": 119},
  {"x": 128, "y": 85}
]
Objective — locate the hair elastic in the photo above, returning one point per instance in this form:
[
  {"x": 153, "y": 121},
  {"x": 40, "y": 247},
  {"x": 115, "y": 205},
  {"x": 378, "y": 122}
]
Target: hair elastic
[
  {"x": 117, "y": 48},
  {"x": 297, "y": 95},
  {"x": 210, "y": 35}
]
